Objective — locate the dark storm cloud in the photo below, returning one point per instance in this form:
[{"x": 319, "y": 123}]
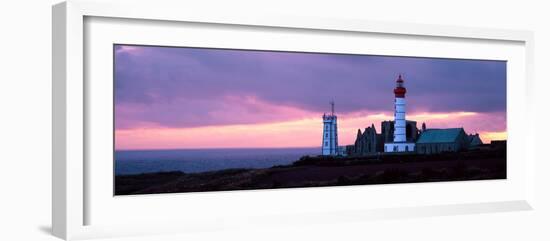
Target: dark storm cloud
[{"x": 183, "y": 87}]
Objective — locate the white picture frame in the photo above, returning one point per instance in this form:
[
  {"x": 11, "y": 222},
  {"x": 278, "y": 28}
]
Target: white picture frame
[{"x": 73, "y": 190}]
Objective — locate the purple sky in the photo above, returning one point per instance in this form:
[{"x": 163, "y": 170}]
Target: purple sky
[
  {"x": 169, "y": 87},
  {"x": 181, "y": 87}
]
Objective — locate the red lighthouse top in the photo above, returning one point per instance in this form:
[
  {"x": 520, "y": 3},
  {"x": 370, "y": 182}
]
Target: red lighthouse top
[{"x": 399, "y": 90}]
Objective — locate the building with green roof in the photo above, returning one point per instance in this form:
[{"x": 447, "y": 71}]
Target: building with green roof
[{"x": 433, "y": 141}]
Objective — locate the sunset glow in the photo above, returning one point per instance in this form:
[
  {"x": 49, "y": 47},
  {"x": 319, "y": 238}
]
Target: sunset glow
[
  {"x": 172, "y": 98},
  {"x": 296, "y": 133}
]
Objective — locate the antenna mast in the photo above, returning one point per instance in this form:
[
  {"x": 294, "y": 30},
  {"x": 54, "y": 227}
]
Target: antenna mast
[{"x": 332, "y": 107}]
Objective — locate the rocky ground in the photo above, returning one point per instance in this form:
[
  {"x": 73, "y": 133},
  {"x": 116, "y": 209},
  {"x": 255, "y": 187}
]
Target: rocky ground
[{"x": 326, "y": 171}]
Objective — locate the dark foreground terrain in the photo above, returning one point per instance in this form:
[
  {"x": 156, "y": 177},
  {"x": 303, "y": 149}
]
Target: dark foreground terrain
[{"x": 327, "y": 171}]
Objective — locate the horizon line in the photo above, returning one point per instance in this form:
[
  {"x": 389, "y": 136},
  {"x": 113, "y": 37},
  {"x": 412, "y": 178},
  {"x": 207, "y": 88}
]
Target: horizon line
[{"x": 210, "y": 148}]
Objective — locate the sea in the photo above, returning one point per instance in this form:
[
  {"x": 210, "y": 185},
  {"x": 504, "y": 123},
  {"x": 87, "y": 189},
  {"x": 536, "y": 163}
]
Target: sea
[{"x": 202, "y": 160}]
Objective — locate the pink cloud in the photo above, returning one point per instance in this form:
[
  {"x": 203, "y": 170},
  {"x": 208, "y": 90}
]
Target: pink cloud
[
  {"x": 232, "y": 110},
  {"x": 302, "y": 129}
]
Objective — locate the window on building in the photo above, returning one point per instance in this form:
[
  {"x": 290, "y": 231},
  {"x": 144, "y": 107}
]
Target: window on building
[
  {"x": 394, "y": 148},
  {"x": 326, "y": 143},
  {"x": 406, "y": 148},
  {"x": 326, "y": 135}
]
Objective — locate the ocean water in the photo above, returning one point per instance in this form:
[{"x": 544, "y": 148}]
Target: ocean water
[{"x": 201, "y": 160}]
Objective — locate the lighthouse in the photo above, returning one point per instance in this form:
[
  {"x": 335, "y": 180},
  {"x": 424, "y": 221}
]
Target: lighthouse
[
  {"x": 330, "y": 133},
  {"x": 399, "y": 143}
]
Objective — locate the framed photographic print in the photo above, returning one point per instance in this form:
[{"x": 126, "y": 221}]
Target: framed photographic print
[
  {"x": 193, "y": 119},
  {"x": 206, "y": 122}
]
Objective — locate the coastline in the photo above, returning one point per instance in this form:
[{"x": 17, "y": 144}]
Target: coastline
[{"x": 326, "y": 171}]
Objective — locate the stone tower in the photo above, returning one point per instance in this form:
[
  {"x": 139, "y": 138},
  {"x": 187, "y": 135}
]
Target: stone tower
[{"x": 330, "y": 133}]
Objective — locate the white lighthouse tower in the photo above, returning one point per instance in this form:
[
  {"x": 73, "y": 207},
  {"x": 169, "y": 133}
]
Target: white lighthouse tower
[
  {"x": 330, "y": 133},
  {"x": 399, "y": 143}
]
